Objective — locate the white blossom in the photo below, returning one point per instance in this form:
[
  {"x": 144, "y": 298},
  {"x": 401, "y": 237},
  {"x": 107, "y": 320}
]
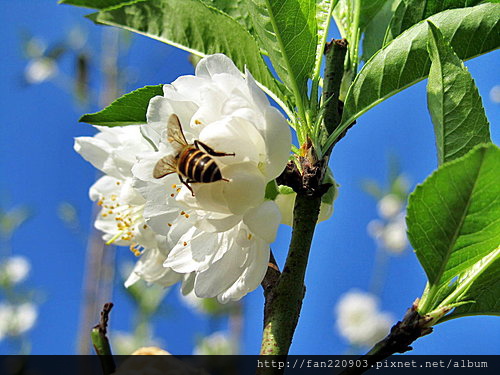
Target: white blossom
[
  {"x": 390, "y": 235},
  {"x": 219, "y": 235},
  {"x": 495, "y": 94},
  {"x": 389, "y": 206},
  {"x": 15, "y": 269},
  {"x": 15, "y": 320},
  {"x": 390, "y": 230},
  {"x": 359, "y": 319},
  {"x": 218, "y": 343},
  {"x": 40, "y": 69},
  {"x": 113, "y": 151}
]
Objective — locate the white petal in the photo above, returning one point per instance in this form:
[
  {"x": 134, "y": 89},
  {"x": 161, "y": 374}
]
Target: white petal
[
  {"x": 105, "y": 186},
  {"x": 286, "y": 203},
  {"x": 150, "y": 268},
  {"x": 246, "y": 187},
  {"x": 216, "y": 64},
  {"x": 131, "y": 280},
  {"x": 186, "y": 89},
  {"x": 264, "y": 220},
  {"x": 98, "y": 153},
  {"x": 215, "y": 222},
  {"x": 144, "y": 167},
  {"x": 207, "y": 196},
  {"x": 221, "y": 274},
  {"x": 234, "y": 135},
  {"x": 211, "y": 101},
  {"x": 255, "y": 271},
  {"x": 259, "y": 97},
  {"x": 278, "y": 142},
  {"x": 159, "y": 110},
  {"x": 192, "y": 252}
]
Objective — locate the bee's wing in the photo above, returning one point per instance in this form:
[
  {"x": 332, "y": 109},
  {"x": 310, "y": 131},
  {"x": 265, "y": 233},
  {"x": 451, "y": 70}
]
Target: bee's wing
[
  {"x": 164, "y": 166},
  {"x": 175, "y": 135}
]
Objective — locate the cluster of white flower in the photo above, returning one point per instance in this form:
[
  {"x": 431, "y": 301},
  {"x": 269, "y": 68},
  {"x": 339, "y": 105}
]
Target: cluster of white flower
[
  {"x": 14, "y": 270},
  {"x": 390, "y": 231},
  {"x": 214, "y": 237},
  {"x": 15, "y": 318},
  {"x": 359, "y": 319}
]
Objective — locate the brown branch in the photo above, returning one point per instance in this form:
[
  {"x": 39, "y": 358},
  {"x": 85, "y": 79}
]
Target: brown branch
[{"x": 272, "y": 274}]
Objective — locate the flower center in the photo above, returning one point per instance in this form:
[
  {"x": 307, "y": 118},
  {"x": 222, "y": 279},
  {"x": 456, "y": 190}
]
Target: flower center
[{"x": 125, "y": 217}]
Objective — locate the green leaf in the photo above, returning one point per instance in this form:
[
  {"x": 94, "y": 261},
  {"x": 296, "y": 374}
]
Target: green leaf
[
  {"x": 369, "y": 9},
  {"x": 454, "y": 102},
  {"x": 236, "y": 9},
  {"x": 323, "y": 18},
  {"x": 287, "y": 30},
  {"x": 374, "y": 32},
  {"x": 405, "y": 61},
  {"x": 453, "y": 220},
  {"x": 197, "y": 28},
  {"x": 130, "y": 109},
  {"x": 483, "y": 293},
  {"x": 410, "y": 12},
  {"x": 344, "y": 14},
  {"x": 95, "y": 4}
]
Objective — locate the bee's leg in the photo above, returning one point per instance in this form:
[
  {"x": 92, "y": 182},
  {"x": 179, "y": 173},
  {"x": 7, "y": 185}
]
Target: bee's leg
[
  {"x": 186, "y": 183},
  {"x": 210, "y": 150}
]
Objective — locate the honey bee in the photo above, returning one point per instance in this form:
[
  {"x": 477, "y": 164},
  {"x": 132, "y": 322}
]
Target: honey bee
[{"x": 192, "y": 162}]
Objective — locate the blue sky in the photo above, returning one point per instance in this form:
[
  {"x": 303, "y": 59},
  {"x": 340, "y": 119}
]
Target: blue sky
[{"x": 40, "y": 169}]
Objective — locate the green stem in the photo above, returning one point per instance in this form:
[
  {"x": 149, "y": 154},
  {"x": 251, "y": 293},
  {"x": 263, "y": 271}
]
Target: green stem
[{"x": 284, "y": 301}]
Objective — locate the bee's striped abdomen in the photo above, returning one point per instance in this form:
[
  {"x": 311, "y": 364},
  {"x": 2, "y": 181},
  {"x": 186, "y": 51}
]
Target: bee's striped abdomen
[{"x": 198, "y": 166}]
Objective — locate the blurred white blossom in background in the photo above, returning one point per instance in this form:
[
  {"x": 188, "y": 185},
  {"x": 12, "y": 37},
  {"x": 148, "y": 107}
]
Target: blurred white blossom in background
[
  {"x": 359, "y": 319},
  {"x": 495, "y": 94},
  {"x": 125, "y": 343},
  {"x": 40, "y": 69},
  {"x": 218, "y": 343},
  {"x": 389, "y": 230},
  {"x": 391, "y": 234},
  {"x": 16, "y": 320},
  {"x": 14, "y": 269}
]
